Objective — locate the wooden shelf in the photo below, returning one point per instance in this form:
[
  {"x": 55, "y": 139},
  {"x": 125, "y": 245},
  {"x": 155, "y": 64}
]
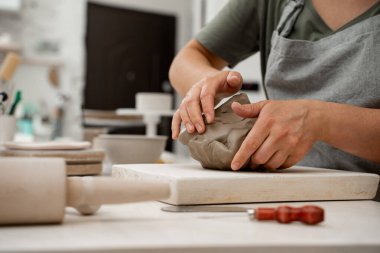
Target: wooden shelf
[
  {"x": 109, "y": 119},
  {"x": 42, "y": 62},
  {"x": 10, "y": 47},
  {"x": 37, "y": 61}
]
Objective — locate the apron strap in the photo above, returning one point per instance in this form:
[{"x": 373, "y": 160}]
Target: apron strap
[{"x": 289, "y": 16}]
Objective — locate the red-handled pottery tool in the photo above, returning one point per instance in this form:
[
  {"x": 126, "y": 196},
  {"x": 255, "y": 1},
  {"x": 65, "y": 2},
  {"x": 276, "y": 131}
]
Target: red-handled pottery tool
[{"x": 309, "y": 214}]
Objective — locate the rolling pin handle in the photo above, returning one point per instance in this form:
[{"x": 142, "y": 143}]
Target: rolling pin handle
[
  {"x": 87, "y": 209},
  {"x": 86, "y": 194}
]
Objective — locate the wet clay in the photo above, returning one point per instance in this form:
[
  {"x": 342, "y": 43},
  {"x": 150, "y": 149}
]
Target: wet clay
[{"x": 216, "y": 148}]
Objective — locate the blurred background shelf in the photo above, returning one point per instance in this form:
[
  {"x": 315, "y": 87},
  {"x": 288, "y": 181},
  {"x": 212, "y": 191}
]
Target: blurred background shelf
[
  {"x": 10, "y": 47},
  {"x": 105, "y": 118}
]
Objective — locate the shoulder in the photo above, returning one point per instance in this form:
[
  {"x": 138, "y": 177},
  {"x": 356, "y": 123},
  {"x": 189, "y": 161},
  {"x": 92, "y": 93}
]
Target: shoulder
[
  {"x": 236, "y": 32},
  {"x": 270, "y": 11},
  {"x": 262, "y": 12}
]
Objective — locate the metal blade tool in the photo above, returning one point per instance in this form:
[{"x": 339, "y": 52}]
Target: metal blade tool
[{"x": 309, "y": 214}]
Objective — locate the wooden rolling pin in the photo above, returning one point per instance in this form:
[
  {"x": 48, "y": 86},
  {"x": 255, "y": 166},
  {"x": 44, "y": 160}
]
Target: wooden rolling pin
[{"x": 36, "y": 191}]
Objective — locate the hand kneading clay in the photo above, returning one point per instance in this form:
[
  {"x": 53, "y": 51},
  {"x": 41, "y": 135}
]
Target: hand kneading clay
[{"x": 216, "y": 147}]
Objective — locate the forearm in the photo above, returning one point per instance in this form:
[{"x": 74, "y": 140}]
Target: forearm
[
  {"x": 192, "y": 64},
  {"x": 353, "y": 129}
]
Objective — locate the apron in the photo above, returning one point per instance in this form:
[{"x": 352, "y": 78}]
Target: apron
[{"x": 343, "y": 68}]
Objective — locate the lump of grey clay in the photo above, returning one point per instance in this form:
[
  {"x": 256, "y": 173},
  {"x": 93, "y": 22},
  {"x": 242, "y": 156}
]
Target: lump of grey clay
[{"x": 217, "y": 146}]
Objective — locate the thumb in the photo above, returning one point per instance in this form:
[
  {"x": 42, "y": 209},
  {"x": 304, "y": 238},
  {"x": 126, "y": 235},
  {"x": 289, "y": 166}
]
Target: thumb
[
  {"x": 248, "y": 110},
  {"x": 234, "y": 80}
]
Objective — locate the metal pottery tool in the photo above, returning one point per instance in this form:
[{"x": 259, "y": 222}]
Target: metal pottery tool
[{"x": 310, "y": 214}]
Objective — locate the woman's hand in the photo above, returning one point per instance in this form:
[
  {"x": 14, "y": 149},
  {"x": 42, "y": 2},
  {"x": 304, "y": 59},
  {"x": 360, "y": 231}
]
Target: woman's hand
[
  {"x": 201, "y": 98},
  {"x": 282, "y": 135}
]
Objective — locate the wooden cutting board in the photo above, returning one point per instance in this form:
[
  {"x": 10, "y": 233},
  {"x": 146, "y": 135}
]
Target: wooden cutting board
[{"x": 191, "y": 184}]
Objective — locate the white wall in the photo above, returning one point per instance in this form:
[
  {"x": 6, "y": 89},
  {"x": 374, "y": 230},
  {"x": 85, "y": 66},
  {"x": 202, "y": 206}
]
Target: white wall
[
  {"x": 62, "y": 22},
  {"x": 59, "y": 23},
  {"x": 10, "y": 5}
]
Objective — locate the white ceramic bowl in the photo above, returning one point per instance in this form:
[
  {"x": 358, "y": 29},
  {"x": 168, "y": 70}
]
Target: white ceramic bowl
[
  {"x": 123, "y": 149},
  {"x": 152, "y": 101}
]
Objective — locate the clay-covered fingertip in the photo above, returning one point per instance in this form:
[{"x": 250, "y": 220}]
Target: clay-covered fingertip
[
  {"x": 189, "y": 128},
  {"x": 235, "y": 104},
  {"x": 234, "y": 79},
  {"x": 199, "y": 127},
  {"x": 235, "y": 166},
  {"x": 201, "y": 132},
  {"x": 175, "y": 135},
  {"x": 209, "y": 118}
]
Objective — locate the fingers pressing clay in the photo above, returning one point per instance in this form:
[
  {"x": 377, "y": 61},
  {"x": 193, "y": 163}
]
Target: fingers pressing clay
[
  {"x": 207, "y": 101},
  {"x": 251, "y": 143},
  {"x": 234, "y": 79},
  {"x": 248, "y": 110},
  {"x": 216, "y": 147},
  {"x": 176, "y": 124}
]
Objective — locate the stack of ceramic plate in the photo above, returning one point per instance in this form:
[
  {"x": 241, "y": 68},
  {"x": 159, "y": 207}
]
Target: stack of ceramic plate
[{"x": 80, "y": 158}]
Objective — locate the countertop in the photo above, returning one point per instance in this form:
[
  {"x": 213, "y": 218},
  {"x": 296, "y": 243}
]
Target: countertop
[{"x": 350, "y": 226}]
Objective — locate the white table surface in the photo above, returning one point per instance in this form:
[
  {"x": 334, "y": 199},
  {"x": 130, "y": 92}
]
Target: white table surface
[{"x": 350, "y": 226}]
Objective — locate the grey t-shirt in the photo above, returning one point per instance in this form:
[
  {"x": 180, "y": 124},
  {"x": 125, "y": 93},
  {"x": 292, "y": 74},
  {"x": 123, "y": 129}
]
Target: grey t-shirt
[{"x": 244, "y": 27}]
